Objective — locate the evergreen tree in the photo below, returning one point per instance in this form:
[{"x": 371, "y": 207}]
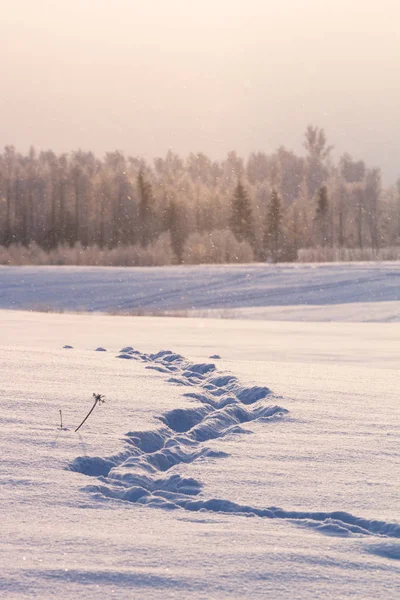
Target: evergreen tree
[
  {"x": 177, "y": 228},
  {"x": 372, "y": 194},
  {"x": 322, "y": 215},
  {"x": 241, "y": 221},
  {"x": 273, "y": 227},
  {"x": 145, "y": 209}
]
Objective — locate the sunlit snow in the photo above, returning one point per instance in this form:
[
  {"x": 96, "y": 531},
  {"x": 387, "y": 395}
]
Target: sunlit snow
[
  {"x": 299, "y": 292},
  {"x": 231, "y": 459}
]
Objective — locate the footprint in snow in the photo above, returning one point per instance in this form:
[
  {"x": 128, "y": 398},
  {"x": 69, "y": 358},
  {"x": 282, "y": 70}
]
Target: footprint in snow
[{"x": 146, "y": 472}]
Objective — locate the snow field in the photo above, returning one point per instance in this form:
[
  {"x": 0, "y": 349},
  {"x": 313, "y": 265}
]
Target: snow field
[
  {"x": 329, "y": 463},
  {"x": 299, "y": 292}
]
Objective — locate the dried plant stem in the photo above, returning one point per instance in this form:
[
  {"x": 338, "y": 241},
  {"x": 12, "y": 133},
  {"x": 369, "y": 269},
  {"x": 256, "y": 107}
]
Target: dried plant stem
[{"x": 98, "y": 399}]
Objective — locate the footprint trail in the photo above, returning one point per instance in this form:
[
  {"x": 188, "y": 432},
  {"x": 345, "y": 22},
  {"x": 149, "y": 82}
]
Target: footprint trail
[{"x": 143, "y": 472}]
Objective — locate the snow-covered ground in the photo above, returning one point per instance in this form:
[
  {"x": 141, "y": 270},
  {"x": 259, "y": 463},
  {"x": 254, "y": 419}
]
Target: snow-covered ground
[
  {"x": 271, "y": 472},
  {"x": 297, "y": 292}
]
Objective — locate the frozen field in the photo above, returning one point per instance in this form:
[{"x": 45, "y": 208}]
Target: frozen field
[
  {"x": 244, "y": 492},
  {"x": 327, "y": 292},
  {"x": 232, "y": 459}
]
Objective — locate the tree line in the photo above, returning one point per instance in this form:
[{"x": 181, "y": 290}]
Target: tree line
[{"x": 265, "y": 208}]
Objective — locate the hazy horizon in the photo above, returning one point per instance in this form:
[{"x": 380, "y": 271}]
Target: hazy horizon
[{"x": 227, "y": 75}]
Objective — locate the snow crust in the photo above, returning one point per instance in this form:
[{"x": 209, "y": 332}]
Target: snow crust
[
  {"x": 271, "y": 473},
  {"x": 298, "y": 292}
]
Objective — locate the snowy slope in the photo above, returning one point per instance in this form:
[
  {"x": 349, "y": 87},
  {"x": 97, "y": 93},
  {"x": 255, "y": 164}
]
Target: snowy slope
[
  {"x": 339, "y": 292},
  {"x": 271, "y": 472}
]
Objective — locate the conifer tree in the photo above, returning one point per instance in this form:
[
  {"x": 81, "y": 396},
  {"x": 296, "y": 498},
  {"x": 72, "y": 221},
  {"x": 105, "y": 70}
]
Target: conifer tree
[
  {"x": 322, "y": 215},
  {"x": 145, "y": 209},
  {"x": 273, "y": 227},
  {"x": 241, "y": 221},
  {"x": 176, "y": 225}
]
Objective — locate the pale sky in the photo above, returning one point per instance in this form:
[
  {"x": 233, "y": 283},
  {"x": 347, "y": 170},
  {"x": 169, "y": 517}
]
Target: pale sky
[{"x": 143, "y": 76}]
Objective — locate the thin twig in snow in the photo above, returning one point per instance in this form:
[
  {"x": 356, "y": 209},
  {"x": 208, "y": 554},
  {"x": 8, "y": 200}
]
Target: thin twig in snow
[{"x": 98, "y": 399}]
